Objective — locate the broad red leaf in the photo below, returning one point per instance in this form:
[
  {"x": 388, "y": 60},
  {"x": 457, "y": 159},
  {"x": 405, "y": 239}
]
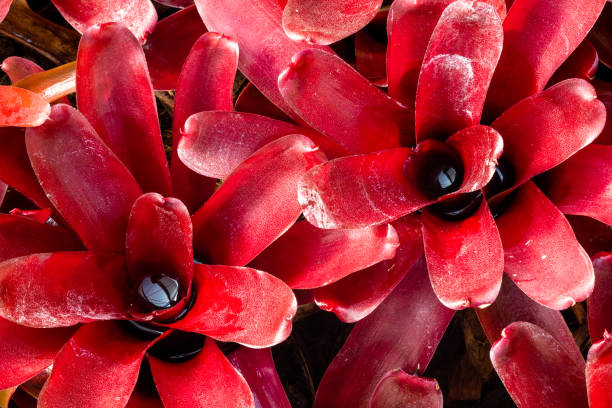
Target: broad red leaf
[
  {"x": 582, "y": 185},
  {"x": 25, "y": 351},
  {"x": 594, "y": 236},
  {"x": 63, "y": 289},
  {"x": 543, "y": 130},
  {"x": 536, "y": 370},
  {"x": 207, "y": 380},
  {"x": 538, "y": 36},
  {"x": 354, "y": 297},
  {"x": 599, "y": 303},
  {"x": 465, "y": 258},
  {"x": 97, "y": 368},
  {"x": 241, "y": 305},
  {"x": 256, "y": 204},
  {"x": 326, "y": 22},
  {"x": 512, "y": 305},
  {"x": 159, "y": 242},
  {"x": 86, "y": 182},
  {"x": 168, "y": 45},
  {"x": 257, "y": 368},
  {"x": 336, "y": 100},
  {"x": 371, "y": 49},
  {"x": 20, "y": 107},
  {"x": 214, "y": 143},
  {"x": 398, "y": 389},
  {"x": 265, "y": 49},
  {"x": 542, "y": 255},
  {"x": 118, "y": 101},
  {"x": 403, "y": 332},
  {"x": 205, "y": 83},
  {"x": 457, "y": 69},
  {"x": 360, "y": 191},
  {"x": 582, "y": 63},
  {"x": 599, "y": 373},
  {"x": 307, "y": 257},
  {"x": 21, "y": 236},
  {"x": 137, "y": 15}
]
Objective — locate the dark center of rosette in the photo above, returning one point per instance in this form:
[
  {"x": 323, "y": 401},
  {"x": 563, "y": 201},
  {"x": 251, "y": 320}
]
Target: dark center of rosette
[
  {"x": 502, "y": 180},
  {"x": 459, "y": 207},
  {"x": 157, "y": 292},
  {"x": 435, "y": 168}
]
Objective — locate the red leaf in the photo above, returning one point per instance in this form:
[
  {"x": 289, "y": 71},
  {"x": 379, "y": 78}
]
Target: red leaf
[
  {"x": 599, "y": 373},
  {"x": 398, "y": 389},
  {"x": 20, "y": 107},
  {"x": 599, "y": 303}
]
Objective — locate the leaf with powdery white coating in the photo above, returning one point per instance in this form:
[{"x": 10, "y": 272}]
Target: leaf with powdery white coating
[
  {"x": 599, "y": 304},
  {"x": 240, "y": 305},
  {"x": 317, "y": 22},
  {"x": 536, "y": 370},
  {"x": 398, "y": 389},
  {"x": 20, "y": 107},
  {"x": 403, "y": 332},
  {"x": 457, "y": 68},
  {"x": 256, "y": 204},
  {"x": 63, "y": 289},
  {"x": 307, "y": 257},
  {"x": 599, "y": 373},
  {"x": 336, "y": 100},
  {"x": 541, "y": 253},
  {"x": 83, "y": 178},
  {"x": 207, "y": 380},
  {"x": 97, "y": 368},
  {"x": 137, "y": 15}
]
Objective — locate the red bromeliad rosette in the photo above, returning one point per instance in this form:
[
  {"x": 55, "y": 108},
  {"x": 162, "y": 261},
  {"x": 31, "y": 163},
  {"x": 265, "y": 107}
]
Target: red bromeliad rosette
[
  {"x": 480, "y": 213},
  {"x": 116, "y": 280}
]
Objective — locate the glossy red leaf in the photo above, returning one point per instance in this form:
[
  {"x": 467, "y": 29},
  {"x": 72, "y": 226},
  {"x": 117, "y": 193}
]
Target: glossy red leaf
[
  {"x": 15, "y": 167},
  {"x": 159, "y": 241},
  {"x": 512, "y": 305},
  {"x": 20, "y": 107},
  {"x": 3, "y": 188},
  {"x": 86, "y": 182},
  {"x": 97, "y": 368},
  {"x": 398, "y": 389},
  {"x": 118, "y": 101},
  {"x": 137, "y": 15},
  {"x": 257, "y": 368},
  {"x": 18, "y": 68},
  {"x": 542, "y": 255},
  {"x": 582, "y": 63},
  {"x": 168, "y": 45},
  {"x": 336, "y": 100},
  {"x": 543, "y": 130},
  {"x": 371, "y": 49},
  {"x": 360, "y": 191},
  {"x": 41, "y": 216},
  {"x": 251, "y": 100},
  {"x": 241, "y": 305},
  {"x": 265, "y": 49},
  {"x": 326, "y": 22},
  {"x": 63, "y": 289},
  {"x": 21, "y": 236},
  {"x": 457, "y": 68},
  {"x": 26, "y": 351},
  {"x": 599, "y": 303},
  {"x": 582, "y": 185},
  {"x": 538, "y": 36},
  {"x": 207, "y": 380},
  {"x": 307, "y": 257},
  {"x": 599, "y": 373},
  {"x": 601, "y": 35},
  {"x": 256, "y": 204},
  {"x": 214, "y": 143},
  {"x": 403, "y": 332},
  {"x": 604, "y": 94},
  {"x": 465, "y": 258},
  {"x": 594, "y": 236},
  {"x": 479, "y": 147},
  {"x": 359, "y": 294},
  {"x": 205, "y": 83},
  {"x": 536, "y": 370}
]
